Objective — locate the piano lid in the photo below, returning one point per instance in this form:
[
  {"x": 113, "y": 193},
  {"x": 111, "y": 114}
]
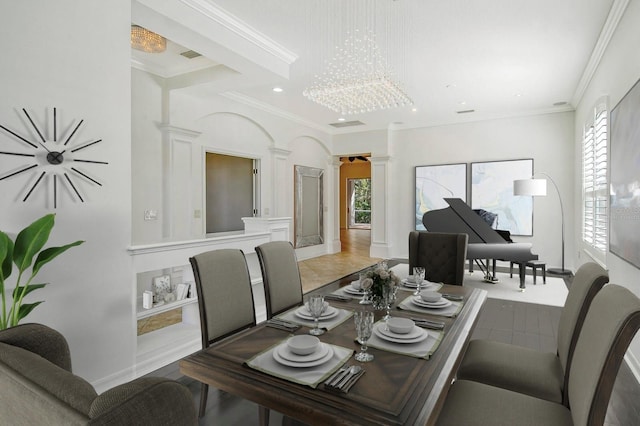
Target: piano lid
[{"x": 458, "y": 218}]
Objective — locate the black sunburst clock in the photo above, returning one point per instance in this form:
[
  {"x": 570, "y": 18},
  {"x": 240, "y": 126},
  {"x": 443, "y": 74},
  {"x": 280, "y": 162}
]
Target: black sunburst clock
[{"x": 56, "y": 157}]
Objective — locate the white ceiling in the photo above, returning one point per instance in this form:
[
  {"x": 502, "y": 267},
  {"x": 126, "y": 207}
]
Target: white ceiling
[{"x": 497, "y": 57}]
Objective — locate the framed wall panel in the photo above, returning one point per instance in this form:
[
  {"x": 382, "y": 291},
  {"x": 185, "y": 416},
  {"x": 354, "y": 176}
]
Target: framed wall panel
[
  {"x": 434, "y": 183},
  {"x": 492, "y": 190}
]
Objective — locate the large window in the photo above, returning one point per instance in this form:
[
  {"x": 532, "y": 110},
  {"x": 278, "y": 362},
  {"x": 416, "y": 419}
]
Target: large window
[{"x": 594, "y": 180}]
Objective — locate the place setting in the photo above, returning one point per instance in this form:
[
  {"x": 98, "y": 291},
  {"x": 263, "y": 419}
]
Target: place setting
[
  {"x": 404, "y": 336},
  {"x": 302, "y": 359},
  {"x": 432, "y": 302},
  {"x": 417, "y": 282},
  {"x": 315, "y": 312}
]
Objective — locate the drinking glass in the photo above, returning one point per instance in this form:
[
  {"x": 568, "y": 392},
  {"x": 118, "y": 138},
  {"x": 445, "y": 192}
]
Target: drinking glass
[
  {"x": 389, "y": 298},
  {"x": 316, "y": 307},
  {"x": 365, "y": 285},
  {"x": 418, "y": 272},
  {"x": 364, "y": 326}
]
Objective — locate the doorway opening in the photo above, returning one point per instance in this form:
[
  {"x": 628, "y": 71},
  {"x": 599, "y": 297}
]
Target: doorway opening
[
  {"x": 359, "y": 199},
  {"x": 355, "y": 204}
]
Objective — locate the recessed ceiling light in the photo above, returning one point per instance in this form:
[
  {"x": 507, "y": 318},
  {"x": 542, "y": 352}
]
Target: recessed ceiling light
[
  {"x": 414, "y": 109},
  {"x": 451, "y": 86},
  {"x": 517, "y": 95},
  {"x": 462, "y": 103},
  {"x": 277, "y": 89},
  {"x": 341, "y": 119}
]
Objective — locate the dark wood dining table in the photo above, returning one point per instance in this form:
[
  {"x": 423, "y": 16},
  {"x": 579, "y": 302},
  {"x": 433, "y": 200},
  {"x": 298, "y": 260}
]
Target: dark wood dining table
[{"x": 395, "y": 390}]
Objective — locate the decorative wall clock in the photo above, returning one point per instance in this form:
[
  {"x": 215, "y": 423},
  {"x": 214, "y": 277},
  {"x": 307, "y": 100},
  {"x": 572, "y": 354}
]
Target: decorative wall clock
[{"x": 56, "y": 165}]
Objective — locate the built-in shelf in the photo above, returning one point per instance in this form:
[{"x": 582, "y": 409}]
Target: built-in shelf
[{"x": 145, "y": 313}]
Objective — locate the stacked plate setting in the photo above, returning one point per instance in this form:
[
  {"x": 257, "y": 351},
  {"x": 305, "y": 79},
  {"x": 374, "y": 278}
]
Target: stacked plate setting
[
  {"x": 328, "y": 313},
  {"x": 431, "y": 300},
  {"x": 409, "y": 282},
  {"x": 354, "y": 288},
  {"x": 290, "y": 355},
  {"x": 415, "y": 334}
]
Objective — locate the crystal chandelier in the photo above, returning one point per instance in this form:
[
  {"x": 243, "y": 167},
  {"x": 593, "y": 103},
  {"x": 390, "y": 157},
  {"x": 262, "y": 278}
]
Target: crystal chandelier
[
  {"x": 358, "y": 78},
  {"x": 147, "y": 41}
]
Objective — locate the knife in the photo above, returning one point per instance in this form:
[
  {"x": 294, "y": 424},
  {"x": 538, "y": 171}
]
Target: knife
[{"x": 338, "y": 376}]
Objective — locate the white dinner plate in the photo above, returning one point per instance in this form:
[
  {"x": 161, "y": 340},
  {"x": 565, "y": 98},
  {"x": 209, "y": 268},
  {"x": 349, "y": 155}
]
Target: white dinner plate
[
  {"x": 285, "y": 352},
  {"x": 442, "y": 303},
  {"x": 378, "y": 332},
  {"x": 426, "y": 285},
  {"x": 302, "y": 364},
  {"x": 329, "y": 312},
  {"x": 351, "y": 290},
  {"x": 414, "y": 333}
]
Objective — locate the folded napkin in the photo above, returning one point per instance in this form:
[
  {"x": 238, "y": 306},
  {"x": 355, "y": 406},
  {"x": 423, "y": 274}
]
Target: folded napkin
[
  {"x": 308, "y": 376},
  {"x": 450, "y": 311},
  {"x": 423, "y": 349},
  {"x": 327, "y": 324}
]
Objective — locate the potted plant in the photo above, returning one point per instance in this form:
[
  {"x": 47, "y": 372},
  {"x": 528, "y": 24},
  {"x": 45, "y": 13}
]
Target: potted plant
[{"x": 28, "y": 245}]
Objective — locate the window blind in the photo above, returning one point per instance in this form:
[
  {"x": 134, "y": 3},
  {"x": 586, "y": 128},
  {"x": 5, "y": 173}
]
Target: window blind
[{"x": 594, "y": 181}]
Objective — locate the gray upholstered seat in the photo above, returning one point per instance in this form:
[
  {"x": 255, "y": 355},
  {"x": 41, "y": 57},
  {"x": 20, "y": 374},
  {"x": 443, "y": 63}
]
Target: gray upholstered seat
[
  {"x": 225, "y": 298},
  {"x": 441, "y": 254},
  {"x": 611, "y": 323},
  {"x": 543, "y": 375},
  {"x": 280, "y": 275}
]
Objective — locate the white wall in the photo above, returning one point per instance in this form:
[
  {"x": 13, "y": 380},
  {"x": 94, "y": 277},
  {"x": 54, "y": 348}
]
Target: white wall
[
  {"x": 74, "y": 55},
  {"x": 618, "y": 71}
]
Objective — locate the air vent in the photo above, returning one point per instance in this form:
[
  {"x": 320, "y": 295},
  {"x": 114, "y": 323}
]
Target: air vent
[
  {"x": 190, "y": 54},
  {"x": 347, "y": 123},
  {"x": 466, "y": 111}
]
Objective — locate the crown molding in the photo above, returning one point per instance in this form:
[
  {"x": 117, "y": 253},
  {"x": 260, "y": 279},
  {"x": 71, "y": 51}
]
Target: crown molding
[
  {"x": 216, "y": 13},
  {"x": 613, "y": 19}
]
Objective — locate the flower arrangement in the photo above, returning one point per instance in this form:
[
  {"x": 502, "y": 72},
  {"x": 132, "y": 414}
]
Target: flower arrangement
[{"x": 381, "y": 283}]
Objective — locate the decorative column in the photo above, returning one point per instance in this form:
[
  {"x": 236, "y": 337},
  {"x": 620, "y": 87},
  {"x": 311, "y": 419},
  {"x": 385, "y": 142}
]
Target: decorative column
[
  {"x": 380, "y": 245},
  {"x": 333, "y": 205}
]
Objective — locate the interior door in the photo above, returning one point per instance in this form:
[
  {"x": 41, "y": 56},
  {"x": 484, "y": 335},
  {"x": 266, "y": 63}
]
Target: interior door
[{"x": 359, "y": 202}]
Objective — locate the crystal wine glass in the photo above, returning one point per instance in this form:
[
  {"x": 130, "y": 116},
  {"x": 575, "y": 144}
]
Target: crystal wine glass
[
  {"x": 389, "y": 298},
  {"x": 364, "y": 327},
  {"x": 316, "y": 307},
  {"x": 418, "y": 272},
  {"x": 365, "y": 285}
]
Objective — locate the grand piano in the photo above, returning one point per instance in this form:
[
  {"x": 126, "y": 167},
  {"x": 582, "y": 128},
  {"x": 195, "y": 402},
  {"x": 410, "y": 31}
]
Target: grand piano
[{"x": 485, "y": 243}]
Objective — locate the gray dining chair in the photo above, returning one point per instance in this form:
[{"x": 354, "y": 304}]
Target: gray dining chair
[
  {"x": 280, "y": 275},
  {"x": 225, "y": 299},
  {"x": 442, "y": 255},
  {"x": 540, "y": 374},
  {"x": 611, "y": 323}
]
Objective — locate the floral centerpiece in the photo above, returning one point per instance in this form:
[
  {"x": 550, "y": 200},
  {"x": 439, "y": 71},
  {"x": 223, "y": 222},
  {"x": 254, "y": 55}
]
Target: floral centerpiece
[{"x": 381, "y": 283}]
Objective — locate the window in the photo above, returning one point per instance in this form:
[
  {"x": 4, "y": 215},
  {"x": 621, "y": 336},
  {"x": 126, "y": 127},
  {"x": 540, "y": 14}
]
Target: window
[{"x": 594, "y": 180}]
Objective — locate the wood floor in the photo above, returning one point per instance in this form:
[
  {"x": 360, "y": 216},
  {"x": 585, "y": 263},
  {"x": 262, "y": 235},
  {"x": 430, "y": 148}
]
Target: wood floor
[{"x": 523, "y": 324}]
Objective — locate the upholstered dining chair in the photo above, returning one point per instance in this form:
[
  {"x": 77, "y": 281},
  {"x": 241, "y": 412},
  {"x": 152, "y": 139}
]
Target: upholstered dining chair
[
  {"x": 280, "y": 275},
  {"x": 541, "y": 374},
  {"x": 225, "y": 299},
  {"x": 441, "y": 254},
  {"x": 611, "y": 323}
]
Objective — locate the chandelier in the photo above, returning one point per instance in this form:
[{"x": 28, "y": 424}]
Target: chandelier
[
  {"x": 147, "y": 41},
  {"x": 358, "y": 78}
]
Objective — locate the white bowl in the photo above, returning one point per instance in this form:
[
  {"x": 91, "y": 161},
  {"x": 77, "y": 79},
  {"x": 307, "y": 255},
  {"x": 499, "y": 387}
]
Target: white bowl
[
  {"x": 411, "y": 278},
  {"x": 303, "y": 344},
  {"x": 400, "y": 325},
  {"x": 430, "y": 296},
  {"x": 356, "y": 285}
]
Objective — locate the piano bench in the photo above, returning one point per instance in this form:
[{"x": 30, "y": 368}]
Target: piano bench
[{"x": 534, "y": 265}]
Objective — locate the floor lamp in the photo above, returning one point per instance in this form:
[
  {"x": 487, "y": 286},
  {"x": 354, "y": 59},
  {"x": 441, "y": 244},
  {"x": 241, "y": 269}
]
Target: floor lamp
[{"x": 538, "y": 187}]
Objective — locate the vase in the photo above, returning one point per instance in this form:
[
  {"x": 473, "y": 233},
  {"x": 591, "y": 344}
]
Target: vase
[{"x": 383, "y": 298}]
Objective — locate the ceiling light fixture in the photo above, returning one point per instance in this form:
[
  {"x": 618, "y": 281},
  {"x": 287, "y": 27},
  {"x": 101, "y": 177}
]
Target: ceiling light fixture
[
  {"x": 147, "y": 41},
  {"x": 277, "y": 89},
  {"x": 358, "y": 78}
]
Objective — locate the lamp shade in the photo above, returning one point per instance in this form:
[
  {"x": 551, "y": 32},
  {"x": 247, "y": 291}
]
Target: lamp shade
[{"x": 531, "y": 187}]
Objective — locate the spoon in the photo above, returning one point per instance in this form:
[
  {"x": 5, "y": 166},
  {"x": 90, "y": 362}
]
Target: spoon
[{"x": 355, "y": 369}]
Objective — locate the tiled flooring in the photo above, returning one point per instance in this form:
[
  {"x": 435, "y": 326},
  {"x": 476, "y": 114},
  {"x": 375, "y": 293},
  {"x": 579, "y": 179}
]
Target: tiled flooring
[{"x": 518, "y": 323}]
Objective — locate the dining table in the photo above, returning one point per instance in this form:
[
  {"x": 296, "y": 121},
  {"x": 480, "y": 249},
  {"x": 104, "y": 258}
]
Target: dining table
[{"x": 396, "y": 389}]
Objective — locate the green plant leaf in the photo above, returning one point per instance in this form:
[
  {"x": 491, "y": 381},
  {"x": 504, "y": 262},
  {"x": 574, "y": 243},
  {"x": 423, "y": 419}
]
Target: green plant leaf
[
  {"x": 25, "y": 309},
  {"x": 18, "y": 290},
  {"x": 31, "y": 240},
  {"x": 6, "y": 256},
  {"x": 47, "y": 255}
]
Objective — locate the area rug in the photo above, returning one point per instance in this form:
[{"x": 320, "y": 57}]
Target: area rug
[{"x": 553, "y": 293}]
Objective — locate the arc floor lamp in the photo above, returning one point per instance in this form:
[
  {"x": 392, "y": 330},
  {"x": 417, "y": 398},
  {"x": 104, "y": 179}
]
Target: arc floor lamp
[{"x": 538, "y": 187}]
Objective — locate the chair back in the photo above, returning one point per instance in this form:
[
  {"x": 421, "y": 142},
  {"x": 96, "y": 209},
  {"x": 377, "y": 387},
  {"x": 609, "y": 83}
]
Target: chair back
[
  {"x": 611, "y": 323},
  {"x": 225, "y": 298},
  {"x": 587, "y": 282},
  {"x": 441, "y": 254},
  {"x": 280, "y": 275}
]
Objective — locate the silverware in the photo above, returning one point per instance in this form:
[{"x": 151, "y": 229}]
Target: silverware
[
  {"x": 338, "y": 297},
  {"x": 337, "y": 376},
  {"x": 353, "y": 370},
  {"x": 282, "y": 322},
  {"x": 452, "y": 296},
  {"x": 352, "y": 382}
]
